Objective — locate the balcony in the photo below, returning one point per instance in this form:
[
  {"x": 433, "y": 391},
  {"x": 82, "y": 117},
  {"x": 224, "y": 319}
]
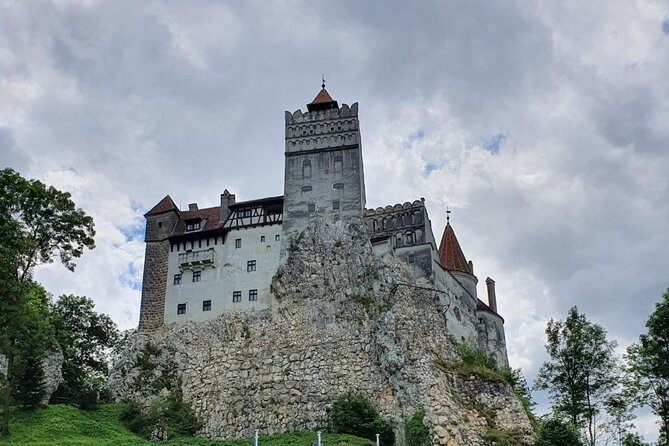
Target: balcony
[{"x": 196, "y": 259}]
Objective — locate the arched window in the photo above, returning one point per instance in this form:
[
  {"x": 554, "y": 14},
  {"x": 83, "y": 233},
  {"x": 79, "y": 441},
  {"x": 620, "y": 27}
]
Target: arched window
[
  {"x": 306, "y": 169},
  {"x": 417, "y": 217},
  {"x": 306, "y": 190},
  {"x": 338, "y": 186}
]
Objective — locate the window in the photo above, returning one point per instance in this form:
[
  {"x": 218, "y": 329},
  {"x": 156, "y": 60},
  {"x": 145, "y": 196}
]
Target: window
[
  {"x": 206, "y": 305},
  {"x": 250, "y": 266},
  {"x": 197, "y": 275},
  {"x": 253, "y": 295},
  {"x": 311, "y": 207},
  {"x": 338, "y": 186},
  {"x": 277, "y": 237},
  {"x": 262, "y": 239},
  {"x": 192, "y": 225},
  {"x": 412, "y": 258},
  {"x": 181, "y": 309},
  {"x": 338, "y": 163},
  {"x": 236, "y": 296},
  {"x": 335, "y": 205},
  {"x": 238, "y": 243},
  {"x": 177, "y": 279},
  {"x": 160, "y": 224},
  {"x": 306, "y": 190},
  {"x": 244, "y": 213},
  {"x": 306, "y": 169}
]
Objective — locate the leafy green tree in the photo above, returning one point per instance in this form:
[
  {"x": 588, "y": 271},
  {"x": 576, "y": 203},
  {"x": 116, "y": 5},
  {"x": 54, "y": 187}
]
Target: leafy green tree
[
  {"x": 354, "y": 414},
  {"x": 30, "y": 385},
  {"x": 555, "y": 432},
  {"x": 630, "y": 439},
  {"x": 581, "y": 373},
  {"x": 37, "y": 223},
  {"x": 416, "y": 432},
  {"x": 647, "y": 370},
  {"x": 619, "y": 408},
  {"x": 86, "y": 338}
]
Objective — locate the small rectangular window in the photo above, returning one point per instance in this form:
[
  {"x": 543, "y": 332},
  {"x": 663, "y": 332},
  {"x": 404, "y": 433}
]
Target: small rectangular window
[
  {"x": 177, "y": 279},
  {"x": 262, "y": 239},
  {"x": 335, "y": 205},
  {"x": 277, "y": 237},
  {"x": 311, "y": 207},
  {"x": 412, "y": 258},
  {"x": 206, "y": 305},
  {"x": 181, "y": 309},
  {"x": 236, "y": 296},
  {"x": 197, "y": 275},
  {"x": 250, "y": 266},
  {"x": 192, "y": 226},
  {"x": 238, "y": 243},
  {"x": 253, "y": 295}
]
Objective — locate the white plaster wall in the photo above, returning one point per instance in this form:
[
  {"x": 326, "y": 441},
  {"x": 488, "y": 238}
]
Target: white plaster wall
[
  {"x": 228, "y": 274},
  {"x": 457, "y": 296}
]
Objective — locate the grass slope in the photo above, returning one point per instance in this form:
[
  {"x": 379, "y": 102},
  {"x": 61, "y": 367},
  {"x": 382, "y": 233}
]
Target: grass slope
[{"x": 61, "y": 425}]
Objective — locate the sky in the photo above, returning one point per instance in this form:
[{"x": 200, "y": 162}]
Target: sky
[{"x": 543, "y": 126}]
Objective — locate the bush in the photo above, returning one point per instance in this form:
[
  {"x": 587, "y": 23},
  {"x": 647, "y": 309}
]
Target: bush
[
  {"x": 165, "y": 418},
  {"x": 354, "y": 414},
  {"x": 416, "y": 432},
  {"x": 558, "y": 433}
]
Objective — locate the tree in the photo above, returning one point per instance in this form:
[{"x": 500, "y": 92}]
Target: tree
[
  {"x": 354, "y": 414},
  {"x": 555, "y": 432},
  {"x": 633, "y": 440},
  {"x": 416, "y": 432},
  {"x": 37, "y": 223},
  {"x": 86, "y": 338},
  {"x": 619, "y": 408},
  {"x": 647, "y": 370},
  {"x": 581, "y": 373}
]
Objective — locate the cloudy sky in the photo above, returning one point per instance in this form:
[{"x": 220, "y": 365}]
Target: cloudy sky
[{"x": 542, "y": 125}]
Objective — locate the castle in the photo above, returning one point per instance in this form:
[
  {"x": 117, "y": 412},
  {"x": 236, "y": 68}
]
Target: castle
[{"x": 201, "y": 263}]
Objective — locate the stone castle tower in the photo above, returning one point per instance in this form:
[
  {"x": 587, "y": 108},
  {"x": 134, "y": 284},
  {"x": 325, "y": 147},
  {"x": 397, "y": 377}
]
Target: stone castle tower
[{"x": 323, "y": 172}]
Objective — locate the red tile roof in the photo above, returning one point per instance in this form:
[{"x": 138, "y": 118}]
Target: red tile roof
[
  {"x": 451, "y": 256},
  {"x": 322, "y": 96},
  {"x": 164, "y": 205},
  {"x": 210, "y": 219}
]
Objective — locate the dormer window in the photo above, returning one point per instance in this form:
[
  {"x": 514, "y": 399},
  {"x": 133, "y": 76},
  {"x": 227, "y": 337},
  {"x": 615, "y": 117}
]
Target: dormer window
[{"x": 193, "y": 225}]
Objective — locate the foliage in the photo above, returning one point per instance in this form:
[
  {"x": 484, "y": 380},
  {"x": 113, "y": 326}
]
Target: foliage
[
  {"x": 581, "y": 373},
  {"x": 416, "y": 432},
  {"x": 170, "y": 415},
  {"x": 86, "y": 338},
  {"x": 30, "y": 383},
  {"x": 515, "y": 378},
  {"x": 60, "y": 425},
  {"x": 619, "y": 408},
  {"x": 503, "y": 437},
  {"x": 556, "y": 432},
  {"x": 154, "y": 373},
  {"x": 37, "y": 223},
  {"x": 647, "y": 370},
  {"x": 354, "y": 414},
  {"x": 633, "y": 440}
]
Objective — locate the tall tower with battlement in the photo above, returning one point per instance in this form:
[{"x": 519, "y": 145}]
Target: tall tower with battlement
[{"x": 323, "y": 170}]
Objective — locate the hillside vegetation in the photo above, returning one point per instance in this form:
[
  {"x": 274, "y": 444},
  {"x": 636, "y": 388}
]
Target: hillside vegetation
[{"x": 61, "y": 425}]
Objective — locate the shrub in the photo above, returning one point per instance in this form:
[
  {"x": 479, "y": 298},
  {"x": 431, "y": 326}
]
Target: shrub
[
  {"x": 555, "y": 432},
  {"x": 416, "y": 432},
  {"x": 354, "y": 414},
  {"x": 166, "y": 417}
]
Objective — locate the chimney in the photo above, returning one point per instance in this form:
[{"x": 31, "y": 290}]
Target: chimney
[
  {"x": 492, "y": 298},
  {"x": 227, "y": 200},
  {"x": 192, "y": 206}
]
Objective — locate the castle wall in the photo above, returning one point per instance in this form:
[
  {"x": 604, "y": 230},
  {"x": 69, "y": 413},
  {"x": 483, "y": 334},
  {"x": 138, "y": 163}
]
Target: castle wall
[
  {"x": 491, "y": 336},
  {"x": 227, "y": 274},
  {"x": 461, "y": 306}
]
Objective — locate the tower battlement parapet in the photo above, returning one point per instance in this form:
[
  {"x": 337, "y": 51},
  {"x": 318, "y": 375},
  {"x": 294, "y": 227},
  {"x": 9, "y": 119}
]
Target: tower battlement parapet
[{"x": 298, "y": 116}]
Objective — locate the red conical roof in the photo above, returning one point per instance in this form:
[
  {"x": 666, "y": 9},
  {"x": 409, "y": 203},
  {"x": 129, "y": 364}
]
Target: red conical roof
[
  {"x": 322, "y": 96},
  {"x": 451, "y": 256},
  {"x": 322, "y": 101},
  {"x": 164, "y": 205}
]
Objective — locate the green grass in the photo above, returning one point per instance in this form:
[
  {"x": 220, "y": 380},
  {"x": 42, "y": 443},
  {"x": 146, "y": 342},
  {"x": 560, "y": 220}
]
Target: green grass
[{"x": 61, "y": 425}]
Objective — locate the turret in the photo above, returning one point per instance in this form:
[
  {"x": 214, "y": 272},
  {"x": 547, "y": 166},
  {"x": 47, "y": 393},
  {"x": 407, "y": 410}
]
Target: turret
[
  {"x": 453, "y": 259},
  {"x": 160, "y": 222}
]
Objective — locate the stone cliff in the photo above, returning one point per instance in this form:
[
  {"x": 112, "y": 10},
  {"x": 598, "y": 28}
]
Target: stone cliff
[{"x": 340, "y": 323}]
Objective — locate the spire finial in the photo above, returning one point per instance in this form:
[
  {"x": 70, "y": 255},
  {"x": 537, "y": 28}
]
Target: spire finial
[
  {"x": 323, "y": 77},
  {"x": 448, "y": 215}
]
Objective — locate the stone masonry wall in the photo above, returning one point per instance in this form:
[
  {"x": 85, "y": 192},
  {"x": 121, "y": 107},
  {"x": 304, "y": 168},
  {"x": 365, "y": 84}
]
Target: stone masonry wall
[
  {"x": 154, "y": 285},
  {"x": 338, "y": 325}
]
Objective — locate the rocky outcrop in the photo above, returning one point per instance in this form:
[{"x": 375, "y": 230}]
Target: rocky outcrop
[
  {"x": 340, "y": 323},
  {"x": 52, "y": 364}
]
